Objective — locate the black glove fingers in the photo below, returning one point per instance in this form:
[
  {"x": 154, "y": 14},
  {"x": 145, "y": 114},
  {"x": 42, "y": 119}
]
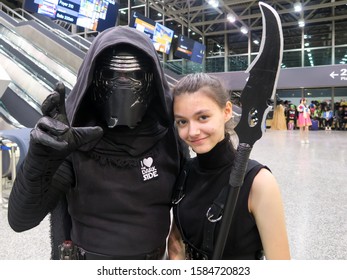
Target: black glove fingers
[
  {"x": 50, "y": 104},
  {"x": 54, "y": 105},
  {"x": 60, "y": 88},
  {"x": 38, "y": 136},
  {"x": 52, "y": 126}
]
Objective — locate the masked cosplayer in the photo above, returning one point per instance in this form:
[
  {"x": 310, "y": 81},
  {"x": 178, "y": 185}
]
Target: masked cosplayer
[{"x": 111, "y": 161}]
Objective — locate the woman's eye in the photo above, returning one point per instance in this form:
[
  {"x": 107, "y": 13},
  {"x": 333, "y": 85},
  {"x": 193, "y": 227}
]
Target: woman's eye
[
  {"x": 180, "y": 122},
  {"x": 203, "y": 118}
]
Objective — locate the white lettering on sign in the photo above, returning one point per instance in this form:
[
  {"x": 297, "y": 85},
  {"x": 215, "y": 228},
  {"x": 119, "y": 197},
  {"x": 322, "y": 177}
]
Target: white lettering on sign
[
  {"x": 59, "y": 15},
  {"x": 66, "y": 5},
  {"x": 65, "y": 17},
  {"x": 342, "y": 74}
]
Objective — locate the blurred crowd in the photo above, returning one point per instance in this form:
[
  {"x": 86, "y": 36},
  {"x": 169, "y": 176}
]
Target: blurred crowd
[{"x": 324, "y": 116}]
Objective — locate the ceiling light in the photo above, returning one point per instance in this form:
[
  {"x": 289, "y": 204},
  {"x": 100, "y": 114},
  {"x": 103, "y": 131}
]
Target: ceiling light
[
  {"x": 301, "y": 23},
  {"x": 256, "y": 42},
  {"x": 297, "y": 7},
  {"x": 244, "y": 30},
  {"x": 231, "y": 18},
  {"x": 213, "y": 3}
]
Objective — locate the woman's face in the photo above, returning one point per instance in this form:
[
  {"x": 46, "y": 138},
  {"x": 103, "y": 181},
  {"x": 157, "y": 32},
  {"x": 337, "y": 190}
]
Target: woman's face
[{"x": 200, "y": 121}]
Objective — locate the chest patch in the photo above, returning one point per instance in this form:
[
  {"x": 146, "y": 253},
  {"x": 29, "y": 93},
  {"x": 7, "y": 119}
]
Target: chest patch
[{"x": 148, "y": 169}]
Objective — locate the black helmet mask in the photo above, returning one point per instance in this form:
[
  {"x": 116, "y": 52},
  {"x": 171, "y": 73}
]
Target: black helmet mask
[{"x": 122, "y": 85}]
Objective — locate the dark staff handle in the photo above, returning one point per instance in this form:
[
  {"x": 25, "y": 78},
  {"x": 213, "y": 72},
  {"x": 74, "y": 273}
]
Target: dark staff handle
[{"x": 235, "y": 182}]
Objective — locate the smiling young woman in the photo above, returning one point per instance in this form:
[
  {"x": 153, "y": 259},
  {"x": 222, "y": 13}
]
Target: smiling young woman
[{"x": 203, "y": 114}]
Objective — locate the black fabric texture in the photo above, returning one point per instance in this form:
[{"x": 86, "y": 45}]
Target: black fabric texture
[{"x": 32, "y": 196}]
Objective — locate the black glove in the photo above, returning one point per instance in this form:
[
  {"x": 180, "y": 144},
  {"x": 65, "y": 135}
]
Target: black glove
[
  {"x": 51, "y": 141},
  {"x": 54, "y": 132}
]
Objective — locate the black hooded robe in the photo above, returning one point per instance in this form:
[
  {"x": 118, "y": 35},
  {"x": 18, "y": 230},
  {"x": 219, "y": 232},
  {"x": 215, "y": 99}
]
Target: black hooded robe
[{"x": 118, "y": 192}]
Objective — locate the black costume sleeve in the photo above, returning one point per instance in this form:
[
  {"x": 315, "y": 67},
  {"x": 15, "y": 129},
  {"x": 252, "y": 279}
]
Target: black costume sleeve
[{"x": 39, "y": 185}]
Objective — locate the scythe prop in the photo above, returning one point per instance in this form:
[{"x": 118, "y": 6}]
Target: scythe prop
[{"x": 256, "y": 96}]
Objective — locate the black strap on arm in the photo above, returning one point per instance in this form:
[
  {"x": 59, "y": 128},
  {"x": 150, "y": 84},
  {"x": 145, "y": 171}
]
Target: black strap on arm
[{"x": 179, "y": 191}]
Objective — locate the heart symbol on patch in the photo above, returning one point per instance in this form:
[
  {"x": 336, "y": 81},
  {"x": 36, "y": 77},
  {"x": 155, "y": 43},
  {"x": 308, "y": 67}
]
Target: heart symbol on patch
[{"x": 148, "y": 161}]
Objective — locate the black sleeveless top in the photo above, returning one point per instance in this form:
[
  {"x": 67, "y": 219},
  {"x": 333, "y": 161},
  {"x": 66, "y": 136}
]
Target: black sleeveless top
[{"x": 208, "y": 174}]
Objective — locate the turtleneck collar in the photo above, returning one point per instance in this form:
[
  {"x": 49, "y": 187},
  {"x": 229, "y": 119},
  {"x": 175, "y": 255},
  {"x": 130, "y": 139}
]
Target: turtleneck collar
[{"x": 222, "y": 154}]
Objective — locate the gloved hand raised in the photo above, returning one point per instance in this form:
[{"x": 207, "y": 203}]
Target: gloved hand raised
[
  {"x": 51, "y": 141},
  {"x": 53, "y": 130}
]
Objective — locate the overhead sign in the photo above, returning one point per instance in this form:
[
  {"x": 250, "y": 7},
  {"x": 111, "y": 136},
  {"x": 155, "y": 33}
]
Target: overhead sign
[
  {"x": 96, "y": 15},
  {"x": 342, "y": 74},
  {"x": 300, "y": 77}
]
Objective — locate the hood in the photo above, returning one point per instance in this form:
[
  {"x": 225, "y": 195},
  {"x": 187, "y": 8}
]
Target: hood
[{"x": 78, "y": 107}]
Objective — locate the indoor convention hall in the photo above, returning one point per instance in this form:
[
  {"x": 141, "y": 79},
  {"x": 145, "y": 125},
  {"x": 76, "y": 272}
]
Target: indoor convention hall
[{"x": 302, "y": 135}]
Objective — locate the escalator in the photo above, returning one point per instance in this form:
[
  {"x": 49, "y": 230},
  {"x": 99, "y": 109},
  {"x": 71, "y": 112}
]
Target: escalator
[
  {"x": 22, "y": 111},
  {"x": 33, "y": 74}
]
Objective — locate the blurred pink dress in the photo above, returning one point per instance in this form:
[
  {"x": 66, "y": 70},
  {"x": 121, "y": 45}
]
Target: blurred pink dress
[{"x": 304, "y": 116}]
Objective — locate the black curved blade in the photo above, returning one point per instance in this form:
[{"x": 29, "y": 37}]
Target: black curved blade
[{"x": 263, "y": 77}]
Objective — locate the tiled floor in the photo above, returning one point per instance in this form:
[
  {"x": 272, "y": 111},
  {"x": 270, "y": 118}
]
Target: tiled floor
[{"x": 313, "y": 180}]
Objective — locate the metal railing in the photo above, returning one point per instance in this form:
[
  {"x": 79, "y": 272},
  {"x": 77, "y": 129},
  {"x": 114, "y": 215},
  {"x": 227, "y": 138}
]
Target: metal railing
[{"x": 10, "y": 148}]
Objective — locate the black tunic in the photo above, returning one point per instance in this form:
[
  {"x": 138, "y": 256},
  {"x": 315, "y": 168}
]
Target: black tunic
[{"x": 208, "y": 175}]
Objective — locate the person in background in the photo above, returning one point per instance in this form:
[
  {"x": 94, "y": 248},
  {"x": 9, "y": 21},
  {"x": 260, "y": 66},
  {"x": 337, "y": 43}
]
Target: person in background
[
  {"x": 338, "y": 118},
  {"x": 327, "y": 118},
  {"x": 344, "y": 117},
  {"x": 279, "y": 118},
  {"x": 304, "y": 121},
  {"x": 203, "y": 114},
  {"x": 291, "y": 117},
  {"x": 106, "y": 167},
  {"x": 312, "y": 107},
  {"x": 317, "y": 115}
]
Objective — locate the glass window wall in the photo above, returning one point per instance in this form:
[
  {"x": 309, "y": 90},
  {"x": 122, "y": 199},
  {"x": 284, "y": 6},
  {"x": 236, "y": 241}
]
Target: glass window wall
[
  {"x": 291, "y": 95},
  {"x": 341, "y": 55},
  {"x": 291, "y": 59},
  {"x": 215, "y": 64},
  {"x": 318, "y": 94},
  {"x": 238, "y": 63},
  {"x": 322, "y": 41},
  {"x": 315, "y": 57},
  {"x": 340, "y": 94},
  {"x": 340, "y": 33}
]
